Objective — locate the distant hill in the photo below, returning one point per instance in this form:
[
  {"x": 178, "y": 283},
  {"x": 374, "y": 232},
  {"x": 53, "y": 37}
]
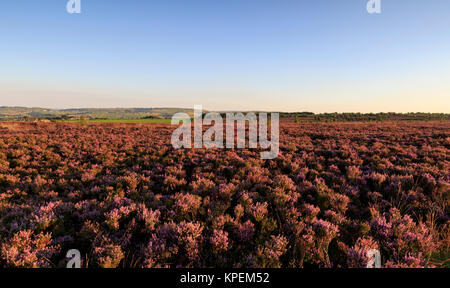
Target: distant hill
[{"x": 24, "y": 113}]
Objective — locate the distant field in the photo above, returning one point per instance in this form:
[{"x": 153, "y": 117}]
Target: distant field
[
  {"x": 20, "y": 113},
  {"x": 150, "y": 114},
  {"x": 120, "y": 121}
]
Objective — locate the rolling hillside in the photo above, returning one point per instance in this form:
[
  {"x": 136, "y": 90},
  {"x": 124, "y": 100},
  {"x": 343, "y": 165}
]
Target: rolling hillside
[{"x": 23, "y": 113}]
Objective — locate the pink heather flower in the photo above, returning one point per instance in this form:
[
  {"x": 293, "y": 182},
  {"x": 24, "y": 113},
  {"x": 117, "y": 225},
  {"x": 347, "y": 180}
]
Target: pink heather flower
[
  {"x": 259, "y": 211},
  {"x": 381, "y": 228},
  {"x": 113, "y": 217},
  {"x": 357, "y": 255},
  {"x": 325, "y": 229},
  {"x": 246, "y": 231},
  {"x": 339, "y": 202},
  {"x": 284, "y": 182},
  {"x": 172, "y": 183},
  {"x": 377, "y": 178},
  {"x": 353, "y": 172},
  {"x": 334, "y": 217},
  {"x": 269, "y": 255},
  {"x": 408, "y": 262},
  {"x": 310, "y": 211},
  {"x": 333, "y": 168},
  {"x": 226, "y": 191},
  {"x": 187, "y": 203},
  {"x": 238, "y": 211},
  {"x": 219, "y": 241},
  {"x": 190, "y": 236},
  {"x": 148, "y": 216},
  {"x": 107, "y": 254},
  {"x": 202, "y": 186},
  {"x": 220, "y": 221},
  {"x": 46, "y": 214},
  {"x": 27, "y": 250}
]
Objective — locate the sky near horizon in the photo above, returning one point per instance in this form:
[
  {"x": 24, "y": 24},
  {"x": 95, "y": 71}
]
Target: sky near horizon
[{"x": 283, "y": 55}]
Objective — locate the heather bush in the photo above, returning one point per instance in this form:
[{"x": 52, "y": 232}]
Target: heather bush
[
  {"x": 29, "y": 250},
  {"x": 125, "y": 198}
]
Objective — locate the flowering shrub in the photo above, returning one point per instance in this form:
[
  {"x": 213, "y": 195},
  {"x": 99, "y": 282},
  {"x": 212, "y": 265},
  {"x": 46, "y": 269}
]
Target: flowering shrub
[
  {"x": 125, "y": 198},
  {"x": 27, "y": 250},
  {"x": 358, "y": 255}
]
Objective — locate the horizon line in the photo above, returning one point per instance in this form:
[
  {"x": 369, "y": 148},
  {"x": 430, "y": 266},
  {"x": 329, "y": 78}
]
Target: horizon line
[{"x": 228, "y": 110}]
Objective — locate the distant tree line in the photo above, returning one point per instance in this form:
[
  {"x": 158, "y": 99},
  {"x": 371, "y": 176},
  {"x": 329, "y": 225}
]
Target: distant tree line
[
  {"x": 338, "y": 117},
  {"x": 295, "y": 116}
]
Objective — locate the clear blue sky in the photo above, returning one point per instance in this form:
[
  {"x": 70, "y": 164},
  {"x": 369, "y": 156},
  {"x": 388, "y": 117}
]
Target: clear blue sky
[{"x": 287, "y": 55}]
